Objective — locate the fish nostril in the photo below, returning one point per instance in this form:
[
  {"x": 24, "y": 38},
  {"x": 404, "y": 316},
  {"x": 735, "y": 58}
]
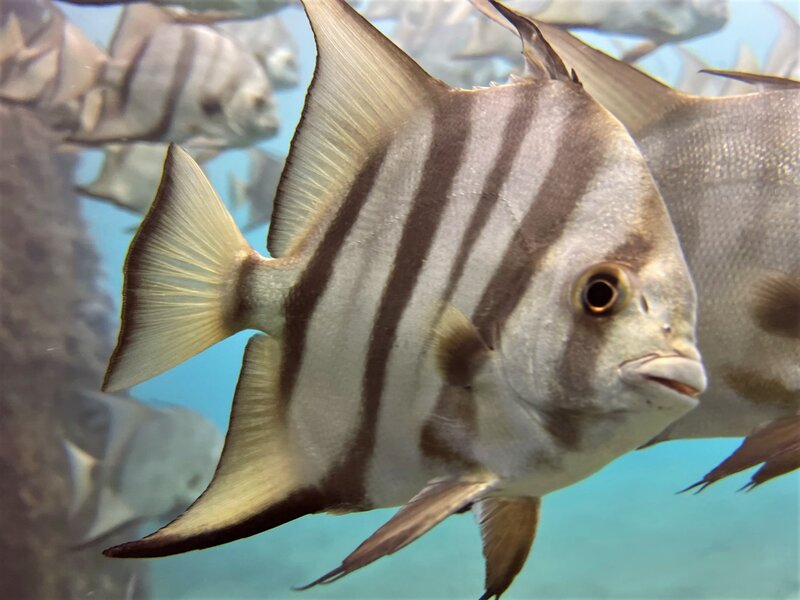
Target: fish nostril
[{"x": 666, "y": 328}]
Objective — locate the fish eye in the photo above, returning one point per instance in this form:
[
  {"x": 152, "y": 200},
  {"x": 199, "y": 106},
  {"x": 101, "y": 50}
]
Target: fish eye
[
  {"x": 259, "y": 102},
  {"x": 193, "y": 482},
  {"x": 603, "y": 289},
  {"x": 211, "y": 106}
]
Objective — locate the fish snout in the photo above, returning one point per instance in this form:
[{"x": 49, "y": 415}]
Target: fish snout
[{"x": 676, "y": 378}]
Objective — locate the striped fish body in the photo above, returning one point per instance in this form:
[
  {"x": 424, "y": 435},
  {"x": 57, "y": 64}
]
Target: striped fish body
[
  {"x": 476, "y": 298},
  {"x": 179, "y": 83},
  {"x": 729, "y": 171}
]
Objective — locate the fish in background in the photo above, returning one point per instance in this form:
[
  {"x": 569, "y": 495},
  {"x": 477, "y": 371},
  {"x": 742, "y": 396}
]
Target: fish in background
[
  {"x": 476, "y": 298},
  {"x": 130, "y": 174},
  {"x": 211, "y": 10},
  {"x": 697, "y": 78},
  {"x": 45, "y": 61},
  {"x": 660, "y": 21},
  {"x": 156, "y": 462},
  {"x": 729, "y": 171},
  {"x": 261, "y": 187},
  {"x": 271, "y": 42},
  {"x": 169, "y": 81}
]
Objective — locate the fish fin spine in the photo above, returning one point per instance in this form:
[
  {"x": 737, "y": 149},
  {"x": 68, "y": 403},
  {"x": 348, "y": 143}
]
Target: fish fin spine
[{"x": 183, "y": 285}]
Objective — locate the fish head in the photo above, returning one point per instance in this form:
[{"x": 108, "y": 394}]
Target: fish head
[
  {"x": 282, "y": 68},
  {"x": 601, "y": 349}
]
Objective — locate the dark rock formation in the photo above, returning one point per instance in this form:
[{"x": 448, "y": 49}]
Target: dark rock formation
[{"x": 54, "y": 341}]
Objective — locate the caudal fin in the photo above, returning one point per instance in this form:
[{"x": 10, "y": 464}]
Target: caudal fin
[{"x": 182, "y": 277}]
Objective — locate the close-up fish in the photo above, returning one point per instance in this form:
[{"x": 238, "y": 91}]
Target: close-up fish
[
  {"x": 258, "y": 192},
  {"x": 130, "y": 174},
  {"x": 475, "y": 298},
  {"x": 156, "y": 461},
  {"x": 177, "y": 82},
  {"x": 210, "y": 9},
  {"x": 729, "y": 171}
]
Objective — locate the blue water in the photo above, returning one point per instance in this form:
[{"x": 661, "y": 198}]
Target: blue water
[{"x": 623, "y": 533}]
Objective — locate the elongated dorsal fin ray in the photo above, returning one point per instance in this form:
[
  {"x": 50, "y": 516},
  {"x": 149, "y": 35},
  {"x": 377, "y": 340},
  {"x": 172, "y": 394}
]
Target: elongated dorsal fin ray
[
  {"x": 459, "y": 348},
  {"x": 363, "y": 88},
  {"x": 257, "y": 469},
  {"x": 437, "y": 501},
  {"x": 540, "y": 59},
  {"x": 181, "y": 277},
  {"x": 635, "y": 98},
  {"x": 766, "y": 81},
  {"x": 508, "y": 528}
]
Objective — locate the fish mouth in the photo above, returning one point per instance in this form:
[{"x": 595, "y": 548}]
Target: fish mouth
[{"x": 682, "y": 378}]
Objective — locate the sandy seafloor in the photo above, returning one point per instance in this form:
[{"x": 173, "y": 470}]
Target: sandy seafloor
[{"x": 623, "y": 533}]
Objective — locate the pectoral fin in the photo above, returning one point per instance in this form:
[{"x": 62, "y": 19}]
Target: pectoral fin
[
  {"x": 431, "y": 506},
  {"x": 508, "y": 528},
  {"x": 776, "y": 444},
  {"x": 460, "y": 349}
]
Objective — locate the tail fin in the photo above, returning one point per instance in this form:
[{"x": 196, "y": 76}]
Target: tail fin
[{"x": 181, "y": 277}]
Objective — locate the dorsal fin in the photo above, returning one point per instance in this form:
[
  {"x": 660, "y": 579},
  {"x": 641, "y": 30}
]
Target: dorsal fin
[
  {"x": 136, "y": 25},
  {"x": 635, "y": 98},
  {"x": 765, "y": 81},
  {"x": 541, "y": 62},
  {"x": 12, "y": 40},
  {"x": 256, "y": 472},
  {"x": 363, "y": 88}
]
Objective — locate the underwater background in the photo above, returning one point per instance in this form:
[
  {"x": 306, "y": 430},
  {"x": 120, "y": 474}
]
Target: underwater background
[{"x": 621, "y": 533}]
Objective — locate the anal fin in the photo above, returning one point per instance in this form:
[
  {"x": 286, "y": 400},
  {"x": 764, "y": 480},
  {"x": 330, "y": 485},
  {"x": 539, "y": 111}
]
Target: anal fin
[
  {"x": 256, "y": 485},
  {"x": 508, "y": 528},
  {"x": 776, "y": 444},
  {"x": 437, "y": 501}
]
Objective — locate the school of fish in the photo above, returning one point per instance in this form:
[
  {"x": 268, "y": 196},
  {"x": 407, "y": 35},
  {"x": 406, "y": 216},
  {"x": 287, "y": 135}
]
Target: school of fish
[{"x": 498, "y": 258}]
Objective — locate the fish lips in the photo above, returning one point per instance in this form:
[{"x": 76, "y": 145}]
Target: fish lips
[{"x": 674, "y": 379}]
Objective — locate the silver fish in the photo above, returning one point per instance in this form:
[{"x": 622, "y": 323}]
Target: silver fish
[
  {"x": 130, "y": 174},
  {"x": 156, "y": 462},
  {"x": 270, "y": 41},
  {"x": 476, "y": 298},
  {"x": 729, "y": 171},
  {"x": 176, "y": 82},
  {"x": 262, "y": 185},
  {"x": 45, "y": 61}
]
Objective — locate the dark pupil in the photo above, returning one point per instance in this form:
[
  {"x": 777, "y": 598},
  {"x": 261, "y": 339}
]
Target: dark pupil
[
  {"x": 600, "y": 293},
  {"x": 211, "y": 106}
]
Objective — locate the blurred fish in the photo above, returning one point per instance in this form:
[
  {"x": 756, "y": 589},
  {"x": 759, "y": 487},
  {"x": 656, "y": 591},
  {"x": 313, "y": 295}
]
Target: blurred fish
[
  {"x": 729, "y": 171},
  {"x": 270, "y": 41},
  {"x": 660, "y": 21},
  {"x": 259, "y": 192},
  {"x": 476, "y": 298},
  {"x": 212, "y": 10},
  {"x": 784, "y": 57},
  {"x": 130, "y": 174},
  {"x": 157, "y": 461},
  {"x": 698, "y": 79},
  {"x": 45, "y": 61},
  {"x": 176, "y": 82}
]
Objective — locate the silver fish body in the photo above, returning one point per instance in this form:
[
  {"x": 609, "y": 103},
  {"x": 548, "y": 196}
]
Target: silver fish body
[
  {"x": 474, "y": 297},
  {"x": 729, "y": 171},
  {"x": 177, "y": 82},
  {"x": 155, "y": 463}
]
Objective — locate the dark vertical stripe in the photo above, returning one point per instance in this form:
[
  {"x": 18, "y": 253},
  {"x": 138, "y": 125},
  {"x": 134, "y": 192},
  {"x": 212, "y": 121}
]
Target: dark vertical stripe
[
  {"x": 183, "y": 68},
  {"x": 575, "y": 164},
  {"x": 514, "y": 132},
  {"x": 448, "y": 145},
  {"x": 577, "y": 363},
  {"x": 130, "y": 75},
  {"x": 303, "y": 298}
]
